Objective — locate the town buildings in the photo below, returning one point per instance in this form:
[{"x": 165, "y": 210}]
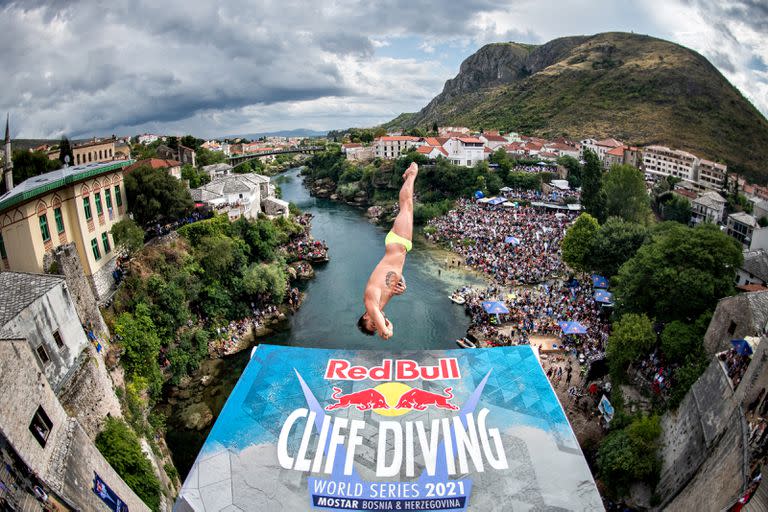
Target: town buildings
[
  {"x": 173, "y": 167},
  {"x": 240, "y": 195},
  {"x": 661, "y": 161},
  {"x": 94, "y": 151},
  {"x": 394, "y": 146},
  {"x": 745, "y": 228},
  {"x": 78, "y": 205},
  {"x": 708, "y": 207}
]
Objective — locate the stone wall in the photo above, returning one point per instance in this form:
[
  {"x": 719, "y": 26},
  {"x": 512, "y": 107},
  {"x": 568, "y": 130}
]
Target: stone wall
[
  {"x": 64, "y": 260},
  {"x": 102, "y": 281},
  {"x": 89, "y": 396}
]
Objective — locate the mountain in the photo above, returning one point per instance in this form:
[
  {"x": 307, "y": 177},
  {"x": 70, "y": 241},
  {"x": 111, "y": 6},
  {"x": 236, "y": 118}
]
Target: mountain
[
  {"x": 636, "y": 88},
  {"x": 298, "y": 132}
]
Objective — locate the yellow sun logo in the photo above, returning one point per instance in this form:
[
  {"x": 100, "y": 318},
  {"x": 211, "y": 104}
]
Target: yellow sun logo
[{"x": 392, "y": 392}]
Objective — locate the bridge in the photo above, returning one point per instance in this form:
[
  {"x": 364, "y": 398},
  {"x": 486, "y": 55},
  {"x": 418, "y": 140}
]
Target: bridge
[{"x": 236, "y": 160}]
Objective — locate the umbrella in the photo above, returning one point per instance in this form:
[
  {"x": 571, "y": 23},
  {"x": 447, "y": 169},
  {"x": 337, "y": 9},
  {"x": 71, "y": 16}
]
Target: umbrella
[
  {"x": 572, "y": 328},
  {"x": 603, "y": 296},
  {"x": 494, "y": 307},
  {"x": 599, "y": 281},
  {"x": 479, "y": 194},
  {"x": 742, "y": 347},
  {"x": 512, "y": 240}
]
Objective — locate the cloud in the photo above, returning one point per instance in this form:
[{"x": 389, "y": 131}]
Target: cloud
[{"x": 85, "y": 67}]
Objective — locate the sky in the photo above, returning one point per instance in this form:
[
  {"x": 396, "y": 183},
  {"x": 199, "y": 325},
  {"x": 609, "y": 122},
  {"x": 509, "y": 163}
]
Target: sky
[{"x": 85, "y": 68}]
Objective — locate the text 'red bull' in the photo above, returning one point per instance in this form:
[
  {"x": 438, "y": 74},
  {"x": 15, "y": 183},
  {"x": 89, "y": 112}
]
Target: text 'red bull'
[{"x": 400, "y": 370}]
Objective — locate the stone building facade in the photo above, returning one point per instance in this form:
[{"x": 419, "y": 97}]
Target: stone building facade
[
  {"x": 52, "y": 447},
  {"x": 94, "y": 151}
]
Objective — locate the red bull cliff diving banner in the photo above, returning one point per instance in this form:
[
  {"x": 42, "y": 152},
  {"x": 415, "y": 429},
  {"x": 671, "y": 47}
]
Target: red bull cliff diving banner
[{"x": 454, "y": 430}]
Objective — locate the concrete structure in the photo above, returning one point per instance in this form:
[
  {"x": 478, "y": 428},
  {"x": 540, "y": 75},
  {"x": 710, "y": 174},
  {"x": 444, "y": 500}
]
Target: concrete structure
[
  {"x": 711, "y": 174},
  {"x": 755, "y": 268},
  {"x": 275, "y": 207},
  {"x": 77, "y": 204},
  {"x": 744, "y": 228},
  {"x": 600, "y": 147},
  {"x": 38, "y": 308},
  {"x": 172, "y": 166},
  {"x": 466, "y": 151},
  {"x": 94, "y": 151},
  {"x": 392, "y": 147},
  {"x": 493, "y": 141},
  {"x": 47, "y": 443},
  {"x": 735, "y": 317},
  {"x": 708, "y": 207},
  {"x": 662, "y": 161},
  {"x": 183, "y": 154},
  {"x": 235, "y": 194},
  {"x": 215, "y": 170},
  {"x": 8, "y": 157}
]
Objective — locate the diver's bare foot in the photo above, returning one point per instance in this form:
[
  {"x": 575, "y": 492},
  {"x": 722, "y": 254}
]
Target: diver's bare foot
[{"x": 412, "y": 170}]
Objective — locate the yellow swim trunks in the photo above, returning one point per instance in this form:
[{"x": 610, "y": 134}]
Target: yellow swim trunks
[{"x": 394, "y": 238}]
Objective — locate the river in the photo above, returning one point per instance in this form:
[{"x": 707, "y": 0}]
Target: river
[{"x": 423, "y": 318}]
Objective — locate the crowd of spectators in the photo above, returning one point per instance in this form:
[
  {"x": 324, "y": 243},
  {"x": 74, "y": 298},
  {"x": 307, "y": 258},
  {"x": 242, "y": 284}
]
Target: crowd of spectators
[
  {"x": 481, "y": 234},
  {"x": 735, "y": 364}
]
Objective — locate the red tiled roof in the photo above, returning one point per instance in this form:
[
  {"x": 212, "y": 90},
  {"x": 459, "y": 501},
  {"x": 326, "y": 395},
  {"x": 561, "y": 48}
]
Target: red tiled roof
[
  {"x": 752, "y": 288},
  {"x": 155, "y": 163},
  {"x": 686, "y": 193},
  {"x": 617, "y": 151},
  {"x": 424, "y": 150},
  {"x": 486, "y": 149},
  {"x": 352, "y": 145},
  {"x": 433, "y": 141},
  {"x": 470, "y": 140},
  {"x": 494, "y": 137},
  {"x": 612, "y": 143}
]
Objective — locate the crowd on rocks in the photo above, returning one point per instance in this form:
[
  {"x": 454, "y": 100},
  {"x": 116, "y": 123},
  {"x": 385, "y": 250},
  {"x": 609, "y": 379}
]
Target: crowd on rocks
[
  {"x": 736, "y": 365},
  {"x": 512, "y": 245},
  {"x": 230, "y": 337}
]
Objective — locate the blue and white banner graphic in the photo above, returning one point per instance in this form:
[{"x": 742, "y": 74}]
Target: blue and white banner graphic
[{"x": 336, "y": 430}]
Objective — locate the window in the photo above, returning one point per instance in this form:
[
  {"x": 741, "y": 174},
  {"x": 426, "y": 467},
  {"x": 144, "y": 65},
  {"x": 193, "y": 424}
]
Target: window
[
  {"x": 42, "y": 354},
  {"x": 3, "y": 253},
  {"x": 118, "y": 197},
  {"x": 44, "y": 228},
  {"x": 105, "y": 242},
  {"x": 57, "y": 339},
  {"x": 108, "y": 198},
  {"x": 59, "y": 219},
  {"x": 732, "y": 328},
  {"x": 41, "y": 426},
  {"x": 97, "y": 199},
  {"x": 95, "y": 249},
  {"x": 87, "y": 208}
]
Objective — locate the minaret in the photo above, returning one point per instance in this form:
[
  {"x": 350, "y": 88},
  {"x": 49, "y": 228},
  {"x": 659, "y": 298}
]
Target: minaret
[{"x": 8, "y": 167}]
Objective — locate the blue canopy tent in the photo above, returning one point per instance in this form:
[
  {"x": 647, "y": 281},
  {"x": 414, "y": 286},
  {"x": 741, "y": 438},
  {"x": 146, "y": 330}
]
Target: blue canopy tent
[
  {"x": 599, "y": 281},
  {"x": 742, "y": 347},
  {"x": 572, "y": 328},
  {"x": 494, "y": 307},
  {"x": 573, "y": 283},
  {"x": 497, "y": 201},
  {"x": 479, "y": 194},
  {"x": 512, "y": 240},
  {"x": 603, "y": 296}
]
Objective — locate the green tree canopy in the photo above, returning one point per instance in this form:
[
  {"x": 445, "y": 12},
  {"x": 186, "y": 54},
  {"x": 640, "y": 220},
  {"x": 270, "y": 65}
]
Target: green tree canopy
[
  {"x": 593, "y": 197},
  {"x": 680, "y": 273},
  {"x": 205, "y": 157},
  {"x": 27, "y": 164},
  {"x": 631, "y": 338},
  {"x": 577, "y": 244},
  {"x": 615, "y": 242},
  {"x": 128, "y": 235},
  {"x": 573, "y": 167},
  {"x": 630, "y": 454},
  {"x": 675, "y": 207},
  {"x": 625, "y": 193},
  {"x": 65, "y": 150},
  {"x": 154, "y": 195},
  {"x": 120, "y": 446}
]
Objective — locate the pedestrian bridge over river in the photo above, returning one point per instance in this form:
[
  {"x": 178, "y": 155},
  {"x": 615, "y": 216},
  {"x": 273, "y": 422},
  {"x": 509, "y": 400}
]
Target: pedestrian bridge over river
[{"x": 236, "y": 160}]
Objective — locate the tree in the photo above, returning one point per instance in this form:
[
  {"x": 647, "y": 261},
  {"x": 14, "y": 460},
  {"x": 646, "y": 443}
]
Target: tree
[
  {"x": 434, "y": 127},
  {"x": 574, "y": 170},
  {"x": 120, "y": 446},
  {"x": 680, "y": 273},
  {"x": 630, "y": 454},
  {"x": 631, "y": 338},
  {"x": 625, "y": 193},
  {"x": 680, "y": 340},
  {"x": 65, "y": 150},
  {"x": 615, "y": 242},
  {"x": 191, "y": 142},
  {"x": 592, "y": 194},
  {"x": 139, "y": 341},
  {"x": 205, "y": 157},
  {"x": 195, "y": 177},
  {"x": 675, "y": 208},
  {"x": 266, "y": 279},
  {"x": 128, "y": 236},
  {"x": 154, "y": 195},
  {"x": 27, "y": 164},
  {"x": 577, "y": 244}
]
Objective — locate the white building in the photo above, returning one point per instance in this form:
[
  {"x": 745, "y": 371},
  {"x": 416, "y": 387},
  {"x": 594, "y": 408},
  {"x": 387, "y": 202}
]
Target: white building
[
  {"x": 711, "y": 174},
  {"x": 215, "y": 170},
  {"x": 432, "y": 152},
  {"x": 393, "y": 146},
  {"x": 600, "y": 147},
  {"x": 745, "y": 228},
  {"x": 493, "y": 141},
  {"x": 240, "y": 195},
  {"x": 662, "y": 161},
  {"x": 708, "y": 207},
  {"x": 148, "y": 138},
  {"x": 754, "y": 270},
  {"x": 466, "y": 151}
]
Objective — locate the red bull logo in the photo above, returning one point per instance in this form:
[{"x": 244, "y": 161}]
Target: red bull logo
[
  {"x": 392, "y": 399},
  {"x": 364, "y": 400},
  {"x": 418, "y": 399},
  {"x": 399, "y": 370}
]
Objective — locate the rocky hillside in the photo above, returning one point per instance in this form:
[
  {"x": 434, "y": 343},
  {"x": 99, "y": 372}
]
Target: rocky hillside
[{"x": 636, "y": 88}]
